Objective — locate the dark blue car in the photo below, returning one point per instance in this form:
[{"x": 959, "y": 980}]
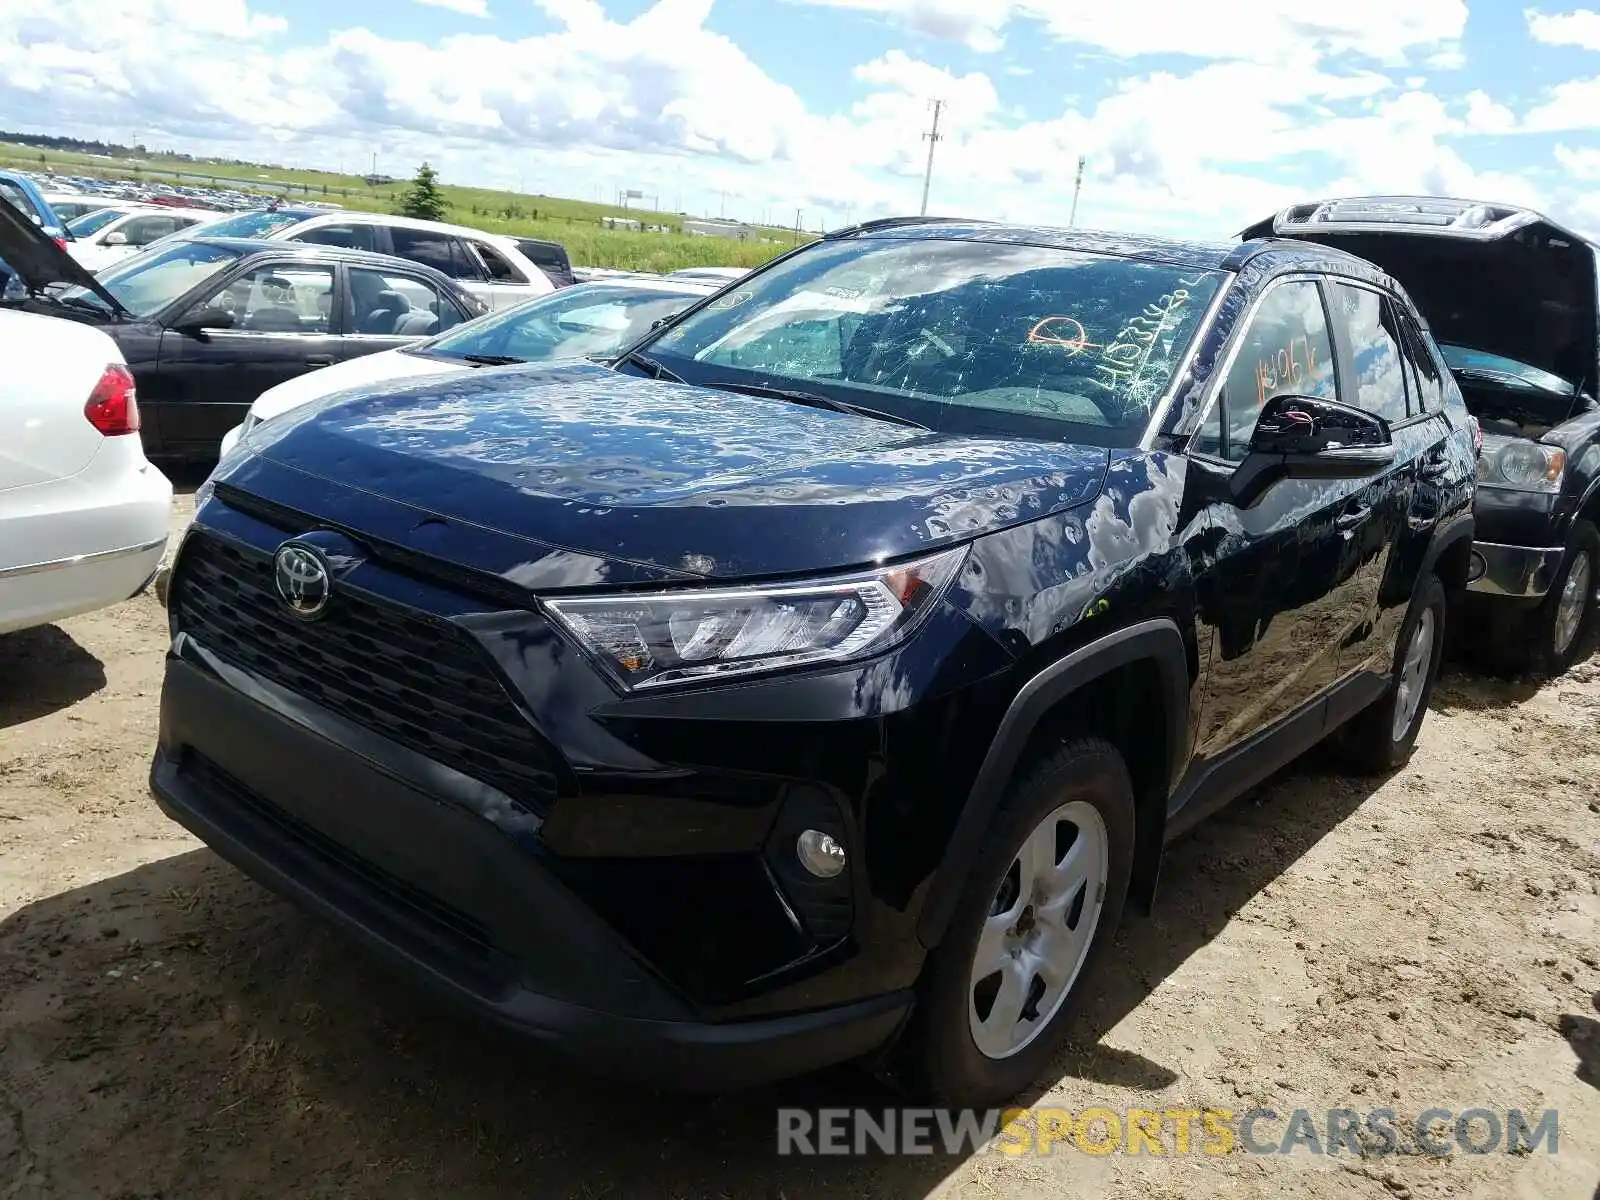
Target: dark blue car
[{"x": 822, "y": 679}]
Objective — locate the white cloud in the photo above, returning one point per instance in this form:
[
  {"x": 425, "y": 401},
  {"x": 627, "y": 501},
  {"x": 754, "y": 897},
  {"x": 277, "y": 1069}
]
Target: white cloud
[
  {"x": 1259, "y": 30},
  {"x": 1485, "y": 115},
  {"x": 1581, "y": 162},
  {"x": 1570, "y": 106},
  {"x": 1578, "y": 28},
  {"x": 664, "y": 103},
  {"x": 467, "y": 8}
]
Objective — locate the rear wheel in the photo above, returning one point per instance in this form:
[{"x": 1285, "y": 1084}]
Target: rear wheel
[
  {"x": 1042, "y": 901},
  {"x": 1381, "y": 736}
]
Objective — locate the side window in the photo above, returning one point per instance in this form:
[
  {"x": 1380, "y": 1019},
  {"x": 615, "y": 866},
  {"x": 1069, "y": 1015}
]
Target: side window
[
  {"x": 497, "y": 264},
  {"x": 1379, "y": 383},
  {"x": 351, "y": 237},
  {"x": 141, "y": 231},
  {"x": 437, "y": 250},
  {"x": 1285, "y": 351},
  {"x": 279, "y": 299},
  {"x": 395, "y": 305},
  {"x": 19, "y": 199},
  {"x": 1427, "y": 375}
]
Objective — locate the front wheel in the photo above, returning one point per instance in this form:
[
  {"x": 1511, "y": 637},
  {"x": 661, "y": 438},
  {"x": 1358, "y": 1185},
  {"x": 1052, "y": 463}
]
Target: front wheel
[
  {"x": 1562, "y": 623},
  {"x": 1381, "y": 736},
  {"x": 1042, "y": 901}
]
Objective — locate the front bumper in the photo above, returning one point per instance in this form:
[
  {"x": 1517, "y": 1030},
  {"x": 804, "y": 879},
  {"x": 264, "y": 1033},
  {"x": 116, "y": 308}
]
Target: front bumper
[
  {"x": 1518, "y": 572},
  {"x": 457, "y": 902}
]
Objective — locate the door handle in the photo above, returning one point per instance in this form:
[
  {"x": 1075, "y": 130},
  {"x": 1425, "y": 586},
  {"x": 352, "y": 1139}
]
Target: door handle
[
  {"x": 1351, "y": 517},
  {"x": 1435, "y": 466},
  {"x": 319, "y": 360}
]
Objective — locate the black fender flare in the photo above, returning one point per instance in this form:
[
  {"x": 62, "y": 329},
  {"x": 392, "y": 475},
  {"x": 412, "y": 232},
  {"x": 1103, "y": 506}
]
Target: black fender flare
[{"x": 1158, "y": 641}]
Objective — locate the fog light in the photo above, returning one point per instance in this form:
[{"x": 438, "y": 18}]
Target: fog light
[{"x": 819, "y": 853}]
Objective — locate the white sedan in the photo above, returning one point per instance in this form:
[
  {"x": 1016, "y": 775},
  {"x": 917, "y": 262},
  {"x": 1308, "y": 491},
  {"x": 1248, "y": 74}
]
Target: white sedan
[
  {"x": 588, "y": 320},
  {"x": 107, "y": 237},
  {"x": 83, "y": 514}
]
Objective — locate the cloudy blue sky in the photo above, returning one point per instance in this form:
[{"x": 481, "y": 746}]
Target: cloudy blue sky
[{"x": 1189, "y": 123}]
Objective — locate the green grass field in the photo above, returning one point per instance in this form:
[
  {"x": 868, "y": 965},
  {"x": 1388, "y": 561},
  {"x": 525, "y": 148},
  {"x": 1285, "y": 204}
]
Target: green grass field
[{"x": 575, "y": 223}]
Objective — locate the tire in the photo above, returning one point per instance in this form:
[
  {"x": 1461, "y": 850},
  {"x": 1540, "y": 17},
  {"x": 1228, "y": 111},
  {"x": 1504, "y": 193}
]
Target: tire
[
  {"x": 1557, "y": 632},
  {"x": 955, "y": 1041},
  {"x": 1381, "y": 736}
]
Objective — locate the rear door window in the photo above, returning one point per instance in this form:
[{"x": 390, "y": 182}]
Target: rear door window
[
  {"x": 1428, "y": 396},
  {"x": 1366, "y": 325},
  {"x": 390, "y": 303},
  {"x": 437, "y": 250},
  {"x": 497, "y": 265}
]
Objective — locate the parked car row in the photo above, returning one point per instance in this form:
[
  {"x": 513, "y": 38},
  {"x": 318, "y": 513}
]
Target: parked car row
[{"x": 820, "y": 674}]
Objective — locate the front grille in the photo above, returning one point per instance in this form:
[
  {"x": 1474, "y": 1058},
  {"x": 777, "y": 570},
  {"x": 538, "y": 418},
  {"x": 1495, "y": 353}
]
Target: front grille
[
  {"x": 438, "y": 922},
  {"x": 414, "y": 679}
]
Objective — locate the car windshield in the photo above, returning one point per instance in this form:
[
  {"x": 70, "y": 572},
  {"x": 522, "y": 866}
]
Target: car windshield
[
  {"x": 148, "y": 282},
  {"x": 1503, "y": 371},
  {"x": 258, "y": 224},
  {"x": 965, "y": 336},
  {"x": 590, "y": 320},
  {"x": 93, "y": 222}
]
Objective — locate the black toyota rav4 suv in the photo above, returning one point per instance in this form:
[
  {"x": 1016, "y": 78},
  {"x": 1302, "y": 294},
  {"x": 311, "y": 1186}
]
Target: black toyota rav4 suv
[{"x": 822, "y": 679}]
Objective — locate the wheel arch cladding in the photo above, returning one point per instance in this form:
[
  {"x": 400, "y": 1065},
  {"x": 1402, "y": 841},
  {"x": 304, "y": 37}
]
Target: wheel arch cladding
[
  {"x": 1450, "y": 556},
  {"x": 1131, "y": 687}
]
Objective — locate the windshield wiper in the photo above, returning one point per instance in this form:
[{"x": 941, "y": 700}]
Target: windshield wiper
[
  {"x": 77, "y": 303},
  {"x": 492, "y": 360},
  {"x": 813, "y": 400},
  {"x": 650, "y": 367}
]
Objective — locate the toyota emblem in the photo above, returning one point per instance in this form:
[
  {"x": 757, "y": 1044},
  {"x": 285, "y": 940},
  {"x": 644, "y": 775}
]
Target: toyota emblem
[{"x": 303, "y": 579}]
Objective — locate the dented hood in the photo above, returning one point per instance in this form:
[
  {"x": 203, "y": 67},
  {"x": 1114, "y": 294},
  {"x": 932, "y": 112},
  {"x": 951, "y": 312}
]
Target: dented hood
[{"x": 675, "y": 479}]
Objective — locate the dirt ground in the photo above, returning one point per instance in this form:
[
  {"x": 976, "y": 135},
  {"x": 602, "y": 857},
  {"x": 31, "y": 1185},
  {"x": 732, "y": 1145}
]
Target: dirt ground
[{"x": 169, "y": 1029}]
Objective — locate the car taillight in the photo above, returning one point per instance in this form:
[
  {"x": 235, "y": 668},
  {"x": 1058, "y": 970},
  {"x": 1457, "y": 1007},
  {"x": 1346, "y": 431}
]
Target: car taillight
[
  {"x": 113, "y": 408},
  {"x": 61, "y": 242}
]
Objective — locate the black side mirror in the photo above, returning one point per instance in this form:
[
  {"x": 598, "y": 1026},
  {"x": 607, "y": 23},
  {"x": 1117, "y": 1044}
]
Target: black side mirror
[
  {"x": 1304, "y": 437},
  {"x": 199, "y": 320}
]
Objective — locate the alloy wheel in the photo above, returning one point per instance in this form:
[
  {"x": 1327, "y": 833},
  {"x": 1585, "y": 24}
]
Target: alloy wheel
[
  {"x": 1413, "y": 674},
  {"x": 1574, "y": 602},
  {"x": 1039, "y": 930}
]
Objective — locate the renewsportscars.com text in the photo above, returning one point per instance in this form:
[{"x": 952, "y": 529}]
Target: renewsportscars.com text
[{"x": 1212, "y": 1132}]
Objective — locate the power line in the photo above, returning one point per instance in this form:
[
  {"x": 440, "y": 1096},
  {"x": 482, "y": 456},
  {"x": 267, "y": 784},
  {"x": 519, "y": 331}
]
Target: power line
[{"x": 932, "y": 138}]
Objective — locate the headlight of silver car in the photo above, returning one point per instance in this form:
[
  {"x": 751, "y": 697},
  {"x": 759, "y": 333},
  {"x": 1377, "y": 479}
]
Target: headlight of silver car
[
  {"x": 1520, "y": 465},
  {"x": 651, "y": 639}
]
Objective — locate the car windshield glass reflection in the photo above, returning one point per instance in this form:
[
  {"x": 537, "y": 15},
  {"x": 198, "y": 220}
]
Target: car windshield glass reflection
[
  {"x": 147, "y": 283},
  {"x": 959, "y": 335},
  {"x": 251, "y": 224},
  {"x": 1507, "y": 372},
  {"x": 93, "y": 222},
  {"x": 587, "y": 321}
]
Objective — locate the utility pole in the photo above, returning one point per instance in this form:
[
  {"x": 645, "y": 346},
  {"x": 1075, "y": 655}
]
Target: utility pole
[
  {"x": 1077, "y": 187},
  {"x": 932, "y": 139},
  {"x": 797, "y": 227}
]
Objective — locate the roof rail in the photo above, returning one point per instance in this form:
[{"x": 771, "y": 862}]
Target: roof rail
[
  {"x": 895, "y": 222},
  {"x": 1411, "y": 214}
]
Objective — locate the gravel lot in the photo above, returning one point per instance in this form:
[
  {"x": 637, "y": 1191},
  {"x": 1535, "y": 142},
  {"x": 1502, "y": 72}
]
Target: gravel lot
[{"x": 169, "y": 1029}]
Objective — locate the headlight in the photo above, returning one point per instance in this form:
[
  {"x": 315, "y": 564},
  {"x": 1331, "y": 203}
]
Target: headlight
[
  {"x": 650, "y": 639},
  {"x": 1520, "y": 465}
]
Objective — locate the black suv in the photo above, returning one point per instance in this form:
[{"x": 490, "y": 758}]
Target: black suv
[
  {"x": 1514, "y": 300},
  {"x": 822, "y": 679}
]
